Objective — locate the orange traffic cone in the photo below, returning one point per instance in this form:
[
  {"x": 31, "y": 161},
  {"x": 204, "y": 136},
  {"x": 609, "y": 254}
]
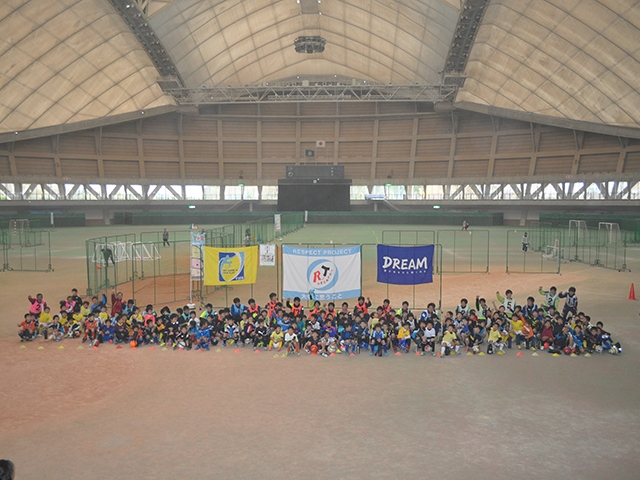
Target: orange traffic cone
[{"x": 632, "y": 293}]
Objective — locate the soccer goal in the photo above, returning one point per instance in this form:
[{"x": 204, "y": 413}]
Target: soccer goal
[
  {"x": 145, "y": 251},
  {"x": 577, "y": 231},
  {"x": 554, "y": 253},
  {"x": 609, "y": 233},
  {"x": 18, "y": 225},
  {"x": 120, "y": 252}
]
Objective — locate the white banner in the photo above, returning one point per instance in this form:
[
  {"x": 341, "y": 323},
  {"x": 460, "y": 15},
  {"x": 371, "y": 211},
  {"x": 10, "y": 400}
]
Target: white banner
[
  {"x": 277, "y": 221},
  {"x": 267, "y": 255},
  {"x": 198, "y": 240},
  {"x": 327, "y": 273}
]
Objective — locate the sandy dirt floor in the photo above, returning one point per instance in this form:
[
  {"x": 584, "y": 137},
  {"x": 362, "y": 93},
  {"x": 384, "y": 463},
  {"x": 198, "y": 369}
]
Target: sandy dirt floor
[{"x": 107, "y": 413}]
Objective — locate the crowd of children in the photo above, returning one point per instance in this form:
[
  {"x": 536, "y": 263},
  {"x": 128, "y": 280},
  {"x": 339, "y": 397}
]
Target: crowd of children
[{"x": 325, "y": 330}]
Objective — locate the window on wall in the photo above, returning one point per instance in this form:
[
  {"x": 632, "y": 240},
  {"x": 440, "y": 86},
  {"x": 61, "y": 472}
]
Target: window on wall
[
  {"x": 193, "y": 192},
  {"x": 358, "y": 192},
  {"x": 434, "y": 192},
  {"x": 241, "y": 192},
  {"x": 270, "y": 192},
  {"x": 593, "y": 192},
  {"x": 73, "y": 193},
  {"x": 508, "y": 193},
  {"x": 533, "y": 189},
  {"x": 7, "y": 192},
  {"x": 211, "y": 192},
  {"x": 634, "y": 193},
  {"x": 52, "y": 192},
  {"x": 250, "y": 192},
  {"x": 93, "y": 187},
  {"x": 137, "y": 189},
  {"x": 162, "y": 193},
  {"x": 469, "y": 193},
  {"x": 390, "y": 192},
  {"x": 416, "y": 192},
  {"x": 115, "y": 192},
  {"x": 550, "y": 193}
]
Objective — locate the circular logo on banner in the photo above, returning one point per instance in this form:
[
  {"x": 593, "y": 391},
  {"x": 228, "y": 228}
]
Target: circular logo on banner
[
  {"x": 322, "y": 274},
  {"x": 230, "y": 266}
]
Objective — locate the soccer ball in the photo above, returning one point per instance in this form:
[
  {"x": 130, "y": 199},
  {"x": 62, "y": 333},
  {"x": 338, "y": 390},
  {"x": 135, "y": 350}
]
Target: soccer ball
[
  {"x": 567, "y": 351},
  {"x": 232, "y": 342},
  {"x": 331, "y": 348},
  {"x": 613, "y": 350},
  {"x": 599, "y": 348},
  {"x": 133, "y": 344},
  {"x": 475, "y": 349},
  {"x": 314, "y": 349}
]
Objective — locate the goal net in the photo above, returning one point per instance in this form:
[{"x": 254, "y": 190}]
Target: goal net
[
  {"x": 18, "y": 225},
  {"x": 145, "y": 251},
  {"x": 123, "y": 251},
  {"x": 120, "y": 252},
  {"x": 554, "y": 252},
  {"x": 577, "y": 231},
  {"x": 609, "y": 233}
]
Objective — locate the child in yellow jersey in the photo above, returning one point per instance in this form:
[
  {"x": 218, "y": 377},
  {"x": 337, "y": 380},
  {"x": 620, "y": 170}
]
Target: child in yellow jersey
[
  {"x": 85, "y": 310},
  {"x": 517, "y": 323},
  {"x": 373, "y": 321},
  {"x": 450, "y": 342},
  {"x": 495, "y": 340},
  {"x": 404, "y": 337},
  {"x": 136, "y": 317},
  {"x": 44, "y": 321},
  {"x": 103, "y": 315},
  {"x": 276, "y": 339},
  {"x": 64, "y": 321},
  {"x": 75, "y": 325}
]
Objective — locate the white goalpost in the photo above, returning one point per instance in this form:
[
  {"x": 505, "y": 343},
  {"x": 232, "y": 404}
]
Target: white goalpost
[
  {"x": 123, "y": 251},
  {"x": 577, "y": 230},
  {"x": 145, "y": 251},
  {"x": 554, "y": 252},
  {"x": 120, "y": 251},
  {"x": 609, "y": 233}
]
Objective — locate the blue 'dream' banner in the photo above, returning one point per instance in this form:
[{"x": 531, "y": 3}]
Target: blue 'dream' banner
[{"x": 405, "y": 265}]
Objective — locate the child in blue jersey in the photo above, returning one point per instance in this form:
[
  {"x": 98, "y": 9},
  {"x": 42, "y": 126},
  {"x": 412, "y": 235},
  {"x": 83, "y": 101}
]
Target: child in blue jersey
[
  {"x": 578, "y": 339},
  {"x": 348, "y": 341},
  {"x": 378, "y": 342},
  {"x": 362, "y": 334},
  {"x": 203, "y": 336},
  {"x": 570, "y": 303},
  {"x": 237, "y": 309},
  {"x": 106, "y": 333}
]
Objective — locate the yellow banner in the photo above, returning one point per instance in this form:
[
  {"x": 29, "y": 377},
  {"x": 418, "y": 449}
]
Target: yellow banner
[{"x": 230, "y": 266}]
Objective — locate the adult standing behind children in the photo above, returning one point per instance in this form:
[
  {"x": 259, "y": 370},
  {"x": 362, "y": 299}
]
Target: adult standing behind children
[
  {"x": 165, "y": 238},
  {"x": 117, "y": 305}
]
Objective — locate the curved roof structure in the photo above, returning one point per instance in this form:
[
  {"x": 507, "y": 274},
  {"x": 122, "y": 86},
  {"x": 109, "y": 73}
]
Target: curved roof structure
[
  {"x": 235, "y": 42},
  {"x": 73, "y": 64},
  {"x": 577, "y": 60},
  {"x": 70, "y": 62}
]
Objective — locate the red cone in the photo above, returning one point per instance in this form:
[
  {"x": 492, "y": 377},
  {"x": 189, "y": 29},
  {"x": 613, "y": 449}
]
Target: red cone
[{"x": 632, "y": 293}]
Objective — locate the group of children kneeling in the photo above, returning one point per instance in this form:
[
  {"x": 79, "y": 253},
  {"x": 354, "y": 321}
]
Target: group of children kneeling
[{"x": 325, "y": 330}]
